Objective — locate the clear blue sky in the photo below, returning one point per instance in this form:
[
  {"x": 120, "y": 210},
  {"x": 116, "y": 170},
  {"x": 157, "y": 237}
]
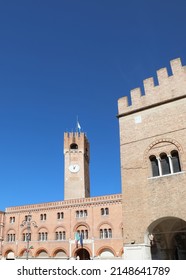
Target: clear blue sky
[{"x": 60, "y": 59}]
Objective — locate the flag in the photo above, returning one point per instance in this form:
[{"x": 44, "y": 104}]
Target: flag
[
  {"x": 78, "y": 126},
  {"x": 81, "y": 240},
  {"x": 77, "y": 238}
]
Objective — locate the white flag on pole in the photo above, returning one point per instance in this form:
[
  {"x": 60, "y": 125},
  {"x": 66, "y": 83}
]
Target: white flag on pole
[{"x": 78, "y": 125}]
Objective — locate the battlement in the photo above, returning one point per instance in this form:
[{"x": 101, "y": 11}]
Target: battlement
[
  {"x": 78, "y": 138},
  {"x": 169, "y": 88},
  {"x": 72, "y": 135}
]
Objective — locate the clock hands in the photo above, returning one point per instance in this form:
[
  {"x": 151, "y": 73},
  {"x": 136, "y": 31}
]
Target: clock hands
[{"x": 74, "y": 167}]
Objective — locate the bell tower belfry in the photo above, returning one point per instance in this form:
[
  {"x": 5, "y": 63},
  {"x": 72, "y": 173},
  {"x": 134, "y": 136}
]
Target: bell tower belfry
[{"x": 76, "y": 166}]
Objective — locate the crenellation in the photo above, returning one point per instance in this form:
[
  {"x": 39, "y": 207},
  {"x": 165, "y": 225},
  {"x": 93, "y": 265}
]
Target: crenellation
[
  {"x": 135, "y": 95},
  {"x": 148, "y": 85},
  {"x": 169, "y": 88},
  {"x": 176, "y": 66},
  {"x": 123, "y": 103},
  {"x": 162, "y": 75},
  {"x": 74, "y": 135}
]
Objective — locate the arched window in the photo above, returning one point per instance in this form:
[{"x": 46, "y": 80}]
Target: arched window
[
  {"x": 175, "y": 161},
  {"x": 60, "y": 215},
  {"x": 73, "y": 146},
  {"x": 43, "y": 236},
  {"x": 104, "y": 211},
  {"x": 154, "y": 166},
  {"x": 83, "y": 233},
  {"x": 86, "y": 234},
  {"x": 165, "y": 164},
  {"x": 81, "y": 214},
  {"x": 11, "y": 237},
  {"x": 60, "y": 235},
  {"x": 105, "y": 233},
  {"x": 12, "y": 220},
  {"x": 26, "y": 236},
  {"x": 43, "y": 217}
]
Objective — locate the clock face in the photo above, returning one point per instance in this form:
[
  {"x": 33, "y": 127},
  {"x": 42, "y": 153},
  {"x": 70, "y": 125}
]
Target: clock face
[{"x": 74, "y": 168}]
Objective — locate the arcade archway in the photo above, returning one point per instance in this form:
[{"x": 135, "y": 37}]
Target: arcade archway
[
  {"x": 82, "y": 254},
  {"x": 168, "y": 239},
  {"x": 42, "y": 254},
  {"x": 10, "y": 255}
]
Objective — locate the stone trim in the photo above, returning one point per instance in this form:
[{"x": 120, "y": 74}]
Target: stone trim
[{"x": 66, "y": 204}]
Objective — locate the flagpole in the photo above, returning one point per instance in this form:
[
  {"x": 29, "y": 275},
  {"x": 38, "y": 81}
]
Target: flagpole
[{"x": 76, "y": 123}]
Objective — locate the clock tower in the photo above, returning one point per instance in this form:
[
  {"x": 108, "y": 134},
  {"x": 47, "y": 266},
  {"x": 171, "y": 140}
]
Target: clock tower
[{"x": 76, "y": 165}]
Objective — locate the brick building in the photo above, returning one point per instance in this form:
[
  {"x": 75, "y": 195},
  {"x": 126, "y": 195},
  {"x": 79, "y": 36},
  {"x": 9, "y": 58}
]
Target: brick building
[
  {"x": 153, "y": 164},
  {"x": 80, "y": 227},
  {"x": 149, "y": 218}
]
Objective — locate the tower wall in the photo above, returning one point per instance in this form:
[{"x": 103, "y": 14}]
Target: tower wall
[
  {"x": 76, "y": 184},
  {"x": 2, "y": 220},
  {"x": 153, "y": 124}
]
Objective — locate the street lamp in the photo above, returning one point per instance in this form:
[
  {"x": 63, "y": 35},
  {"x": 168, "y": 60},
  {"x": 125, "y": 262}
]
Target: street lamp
[{"x": 28, "y": 222}]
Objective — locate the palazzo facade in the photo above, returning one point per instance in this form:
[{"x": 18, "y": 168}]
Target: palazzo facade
[{"x": 80, "y": 226}]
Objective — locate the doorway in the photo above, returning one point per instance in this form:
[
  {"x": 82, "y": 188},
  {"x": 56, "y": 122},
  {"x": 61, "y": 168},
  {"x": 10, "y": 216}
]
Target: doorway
[
  {"x": 82, "y": 254},
  {"x": 168, "y": 239}
]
